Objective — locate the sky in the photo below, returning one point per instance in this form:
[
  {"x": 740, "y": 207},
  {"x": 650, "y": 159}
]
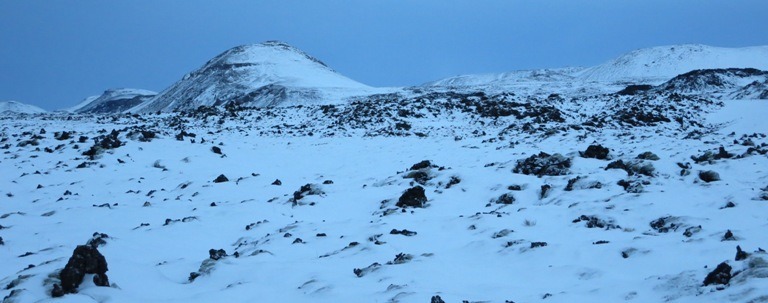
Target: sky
[{"x": 53, "y": 54}]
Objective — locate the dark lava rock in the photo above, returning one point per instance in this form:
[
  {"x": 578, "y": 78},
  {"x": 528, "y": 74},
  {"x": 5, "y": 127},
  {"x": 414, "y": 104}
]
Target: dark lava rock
[
  {"x": 543, "y": 164},
  {"x": 596, "y": 151},
  {"x": 277, "y": 182},
  {"x": 506, "y": 198},
  {"x": 595, "y": 222},
  {"x": 709, "y": 176},
  {"x": 664, "y": 224},
  {"x": 403, "y": 232},
  {"x": 307, "y": 190},
  {"x": 728, "y": 236},
  {"x": 85, "y": 259},
  {"x": 453, "y": 181},
  {"x": 216, "y": 150},
  {"x": 740, "y": 254},
  {"x": 721, "y": 275},
  {"x": 221, "y": 178},
  {"x": 634, "y": 89},
  {"x": 545, "y": 190},
  {"x": 648, "y": 156},
  {"x": 690, "y": 231},
  {"x": 422, "y": 165},
  {"x": 328, "y": 182},
  {"x": 632, "y": 167},
  {"x": 216, "y": 254},
  {"x": 538, "y": 244},
  {"x": 436, "y": 299},
  {"x": 360, "y": 272},
  {"x": 413, "y": 197}
]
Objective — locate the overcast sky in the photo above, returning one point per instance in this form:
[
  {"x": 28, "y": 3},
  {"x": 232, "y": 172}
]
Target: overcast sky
[{"x": 55, "y": 53}]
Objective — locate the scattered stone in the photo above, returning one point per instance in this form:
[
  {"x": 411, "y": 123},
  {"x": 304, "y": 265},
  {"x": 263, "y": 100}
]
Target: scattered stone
[
  {"x": 538, "y": 244},
  {"x": 320, "y": 235},
  {"x": 690, "y": 231},
  {"x": 422, "y": 165},
  {"x": 664, "y": 224},
  {"x": 728, "y": 236},
  {"x": 648, "y": 156},
  {"x": 412, "y": 197},
  {"x": 631, "y": 186},
  {"x": 709, "y": 176},
  {"x": 298, "y": 241},
  {"x": 403, "y": 232},
  {"x": 502, "y": 233},
  {"x": 400, "y": 258},
  {"x": 595, "y": 222},
  {"x": 728, "y": 205},
  {"x": 328, "y": 182},
  {"x": 544, "y": 191},
  {"x": 1, "y": 241},
  {"x": 720, "y": 276},
  {"x": 515, "y": 187},
  {"x": 453, "y": 181},
  {"x": 308, "y": 189},
  {"x": 364, "y": 271},
  {"x": 216, "y": 150},
  {"x": 221, "y": 178},
  {"x": 596, "y": 151},
  {"x": 98, "y": 239},
  {"x": 543, "y": 164},
  {"x": 740, "y": 254},
  {"x": 86, "y": 259},
  {"x": 633, "y": 167},
  {"x": 709, "y": 157},
  {"x": 436, "y": 299},
  {"x": 277, "y": 182},
  {"x": 600, "y": 242},
  {"x": 216, "y": 254},
  {"x": 506, "y": 199}
]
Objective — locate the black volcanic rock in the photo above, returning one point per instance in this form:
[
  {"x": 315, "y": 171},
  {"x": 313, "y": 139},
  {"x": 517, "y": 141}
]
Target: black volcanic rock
[
  {"x": 221, "y": 178},
  {"x": 85, "y": 259},
  {"x": 596, "y": 151},
  {"x": 543, "y": 164},
  {"x": 413, "y": 197},
  {"x": 720, "y": 276}
]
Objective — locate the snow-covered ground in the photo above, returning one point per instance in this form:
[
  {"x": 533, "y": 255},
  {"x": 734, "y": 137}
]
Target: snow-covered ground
[{"x": 155, "y": 197}]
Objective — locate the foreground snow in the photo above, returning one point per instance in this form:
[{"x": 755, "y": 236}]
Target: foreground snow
[{"x": 466, "y": 247}]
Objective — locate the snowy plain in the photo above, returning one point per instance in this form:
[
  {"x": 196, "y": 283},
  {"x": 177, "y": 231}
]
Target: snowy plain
[{"x": 466, "y": 247}]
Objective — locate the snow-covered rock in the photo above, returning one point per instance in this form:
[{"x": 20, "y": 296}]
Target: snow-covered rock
[{"x": 113, "y": 101}]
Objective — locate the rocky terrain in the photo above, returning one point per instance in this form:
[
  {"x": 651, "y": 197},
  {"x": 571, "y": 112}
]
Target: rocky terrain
[{"x": 454, "y": 191}]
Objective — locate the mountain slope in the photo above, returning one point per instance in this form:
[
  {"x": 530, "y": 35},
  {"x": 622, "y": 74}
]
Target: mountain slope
[
  {"x": 113, "y": 101},
  {"x": 265, "y": 74},
  {"x": 658, "y": 64},
  {"x": 15, "y": 107}
]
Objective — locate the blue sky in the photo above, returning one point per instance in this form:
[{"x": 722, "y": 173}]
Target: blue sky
[{"x": 55, "y": 53}]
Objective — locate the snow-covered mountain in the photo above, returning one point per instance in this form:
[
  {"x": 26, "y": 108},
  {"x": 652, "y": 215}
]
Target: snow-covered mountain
[
  {"x": 658, "y": 64},
  {"x": 266, "y": 74},
  {"x": 644, "y": 66},
  {"x": 15, "y": 107},
  {"x": 113, "y": 101}
]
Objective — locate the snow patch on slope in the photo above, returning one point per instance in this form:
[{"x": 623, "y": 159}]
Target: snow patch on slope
[
  {"x": 113, "y": 101},
  {"x": 658, "y": 64},
  {"x": 15, "y": 107}
]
